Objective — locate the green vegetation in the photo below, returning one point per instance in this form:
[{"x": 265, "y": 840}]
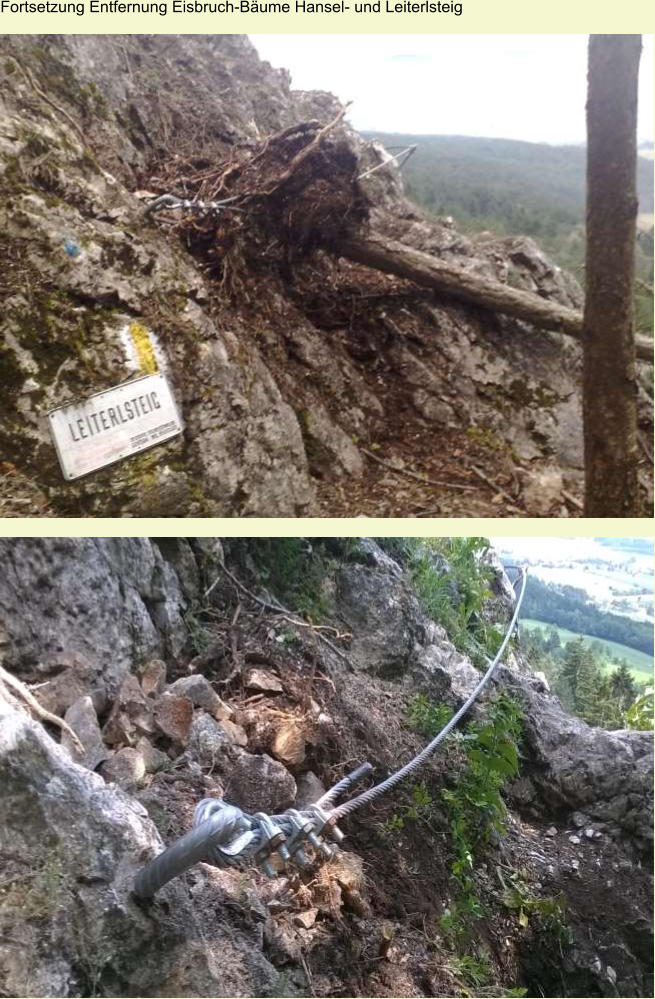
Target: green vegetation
[
  {"x": 293, "y": 570},
  {"x": 420, "y": 807},
  {"x": 488, "y": 757},
  {"x": 577, "y": 672},
  {"x": 609, "y": 654},
  {"x": 640, "y": 714},
  {"x": 452, "y": 584},
  {"x": 548, "y": 912},
  {"x": 523, "y": 189},
  {"x": 488, "y": 753},
  {"x": 571, "y": 608}
]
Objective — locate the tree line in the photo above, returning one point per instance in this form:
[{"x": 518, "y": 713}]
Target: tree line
[
  {"x": 577, "y": 672},
  {"x": 569, "y": 607}
]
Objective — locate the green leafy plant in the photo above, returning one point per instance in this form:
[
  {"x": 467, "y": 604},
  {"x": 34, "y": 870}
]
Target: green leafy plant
[
  {"x": 420, "y": 807},
  {"x": 475, "y": 972},
  {"x": 426, "y": 717},
  {"x": 474, "y": 803},
  {"x": 294, "y": 570},
  {"x": 546, "y": 912},
  {"x": 639, "y": 715},
  {"x": 199, "y": 635},
  {"x": 452, "y": 584}
]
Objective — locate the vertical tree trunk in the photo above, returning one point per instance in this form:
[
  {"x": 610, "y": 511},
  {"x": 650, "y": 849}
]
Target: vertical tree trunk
[{"x": 609, "y": 387}]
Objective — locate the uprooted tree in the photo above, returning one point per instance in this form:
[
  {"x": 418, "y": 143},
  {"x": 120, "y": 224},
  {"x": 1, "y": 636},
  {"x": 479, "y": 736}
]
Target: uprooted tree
[
  {"x": 296, "y": 194},
  {"x": 609, "y": 379}
]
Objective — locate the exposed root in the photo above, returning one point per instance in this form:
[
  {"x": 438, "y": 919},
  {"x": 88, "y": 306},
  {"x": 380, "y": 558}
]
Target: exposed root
[
  {"x": 298, "y": 191},
  {"x": 39, "y": 711}
]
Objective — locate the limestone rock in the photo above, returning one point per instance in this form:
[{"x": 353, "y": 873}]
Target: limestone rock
[
  {"x": 173, "y": 717},
  {"x": 126, "y": 768},
  {"x": 306, "y": 919},
  {"x": 130, "y": 716},
  {"x": 153, "y": 758},
  {"x": 309, "y": 789},
  {"x": 262, "y": 680},
  {"x": 82, "y": 718},
  {"x": 381, "y": 614},
  {"x": 208, "y": 738},
  {"x": 258, "y": 783},
  {"x": 82, "y": 843},
  {"x": 153, "y": 677},
  {"x": 112, "y": 601},
  {"x": 542, "y": 491},
  {"x": 288, "y": 744},
  {"x": 78, "y": 678},
  {"x": 602, "y": 775},
  {"x": 202, "y": 695}
]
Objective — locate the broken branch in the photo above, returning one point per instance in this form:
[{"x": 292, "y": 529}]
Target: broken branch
[{"x": 414, "y": 475}]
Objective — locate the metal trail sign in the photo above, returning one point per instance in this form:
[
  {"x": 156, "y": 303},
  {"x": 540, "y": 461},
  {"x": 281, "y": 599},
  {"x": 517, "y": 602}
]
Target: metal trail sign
[{"x": 114, "y": 424}]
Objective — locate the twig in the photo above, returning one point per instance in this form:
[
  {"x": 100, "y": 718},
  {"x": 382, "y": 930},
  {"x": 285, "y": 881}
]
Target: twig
[
  {"x": 39, "y": 711},
  {"x": 573, "y": 500},
  {"x": 494, "y": 485},
  {"x": 308, "y": 974},
  {"x": 415, "y": 475},
  {"x": 317, "y": 629},
  {"x": 648, "y": 450}
]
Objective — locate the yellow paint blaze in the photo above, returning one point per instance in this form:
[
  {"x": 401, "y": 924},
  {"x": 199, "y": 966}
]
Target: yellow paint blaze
[{"x": 144, "y": 349}]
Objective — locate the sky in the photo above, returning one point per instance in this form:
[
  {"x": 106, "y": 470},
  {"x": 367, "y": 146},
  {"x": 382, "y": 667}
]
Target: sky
[{"x": 530, "y": 87}]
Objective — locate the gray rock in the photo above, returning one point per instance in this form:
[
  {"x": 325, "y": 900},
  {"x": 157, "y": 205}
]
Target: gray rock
[
  {"x": 173, "y": 716},
  {"x": 113, "y": 601},
  {"x": 452, "y": 676},
  {"x": 126, "y": 768},
  {"x": 588, "y": 770},
  {"x": 82, "y": 718},
  {"x": 153, "y": 677},
  {"x": 328, "y": 444},
  {"x": 264, "y": 681},
  {"x": 383, "y": 617},
  {"x": 153, "y": 758},
  {"x": 76, "y": 845},
  {"x": 208, "y": 739},
  {"x": 201, "y": 694},
  {"x": 309, "y": 789},
  {"x": 259, "y": 783}
]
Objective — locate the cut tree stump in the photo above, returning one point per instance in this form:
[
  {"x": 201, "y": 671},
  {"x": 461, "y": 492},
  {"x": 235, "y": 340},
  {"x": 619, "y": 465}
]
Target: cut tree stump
[{"x": 396, "y": 258}]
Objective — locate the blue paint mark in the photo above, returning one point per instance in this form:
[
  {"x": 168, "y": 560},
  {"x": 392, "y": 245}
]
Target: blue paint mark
[{"x": 72, "y": 249}]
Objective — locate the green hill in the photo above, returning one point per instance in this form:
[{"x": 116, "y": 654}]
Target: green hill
[{"x": 641, "y": 664}]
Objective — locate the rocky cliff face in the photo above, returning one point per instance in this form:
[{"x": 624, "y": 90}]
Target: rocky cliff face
[
  {"x": 177, "y": 697},
  {"x": 281, "y": 374}
]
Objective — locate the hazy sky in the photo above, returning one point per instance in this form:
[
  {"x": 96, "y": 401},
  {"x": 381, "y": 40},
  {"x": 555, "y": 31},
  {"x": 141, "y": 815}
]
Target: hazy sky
[
  {"x": 528, "y": 87},
  {"x": 552, "y": 551}
]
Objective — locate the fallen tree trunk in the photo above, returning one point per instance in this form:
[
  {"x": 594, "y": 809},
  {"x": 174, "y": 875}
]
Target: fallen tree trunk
[{"x": 396, "y": 258}]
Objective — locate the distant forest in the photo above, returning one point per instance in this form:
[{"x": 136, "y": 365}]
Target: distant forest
[
  {"x": 570, "y": 608},
  {"x": 520, "y": 188}
]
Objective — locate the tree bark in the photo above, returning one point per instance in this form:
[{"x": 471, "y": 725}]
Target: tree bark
[
  {"x": 609, "y": 380},
  {"x": 396, "y": 258}
]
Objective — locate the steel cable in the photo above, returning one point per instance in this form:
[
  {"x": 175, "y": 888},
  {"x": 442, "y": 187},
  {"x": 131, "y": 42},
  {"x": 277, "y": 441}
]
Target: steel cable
[
  {"x": 386, "y": 785},
  {"x": 224, "y": 835}
]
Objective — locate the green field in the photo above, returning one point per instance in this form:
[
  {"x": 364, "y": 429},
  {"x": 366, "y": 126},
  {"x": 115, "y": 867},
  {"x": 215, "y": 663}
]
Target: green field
[{"x": 640, "y": 663}]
